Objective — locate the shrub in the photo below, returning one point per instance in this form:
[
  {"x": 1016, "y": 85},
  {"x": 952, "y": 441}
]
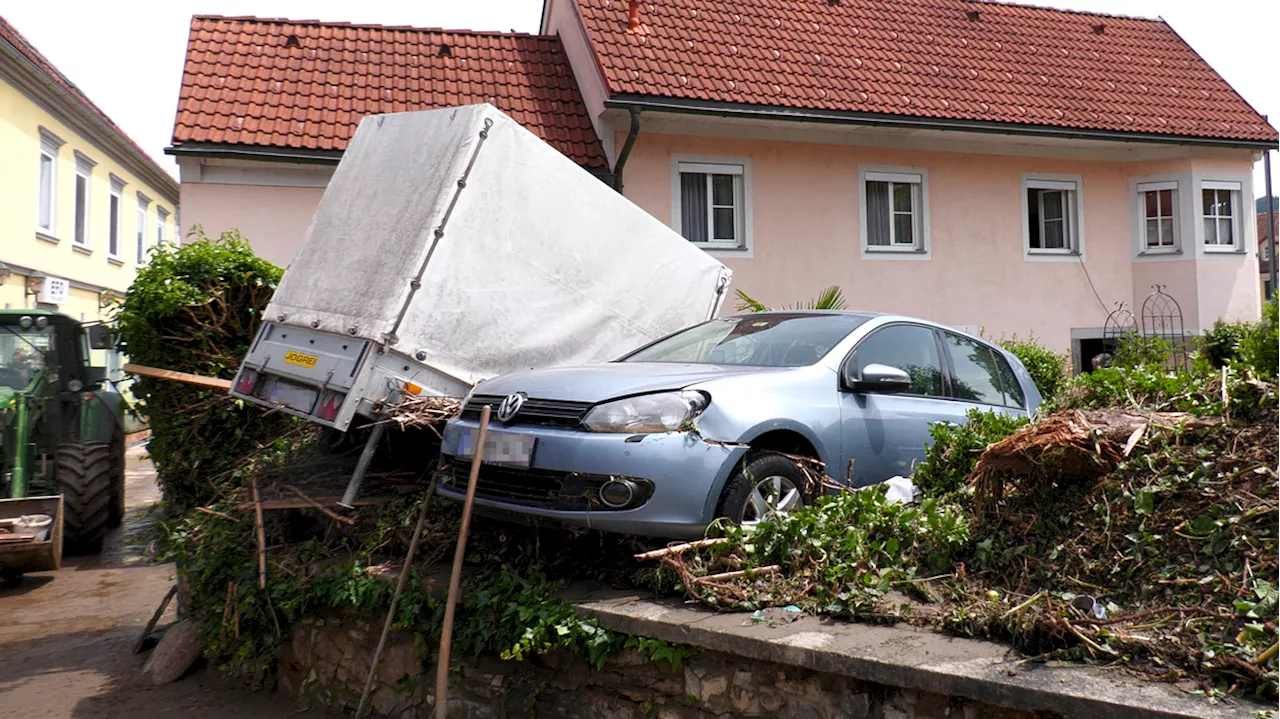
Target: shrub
[
  {"x": 195, "y": 308},
  {"x": 1259, "y": 347},
  {"x": 1135, "y": 350},
  {"x": 1047, "y": 368},
  {"x": 955, "y": 449},
  {"x": 1221, "y": 344}
]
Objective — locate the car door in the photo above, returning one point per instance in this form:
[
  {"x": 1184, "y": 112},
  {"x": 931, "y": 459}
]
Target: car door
[
  {"x": 885, "y": 433},
  {"x": 980, "y": 377}
]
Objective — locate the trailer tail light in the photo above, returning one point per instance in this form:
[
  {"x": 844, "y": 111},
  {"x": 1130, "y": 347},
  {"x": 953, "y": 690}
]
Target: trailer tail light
[
  {"x": 246, "y": 382},
  {"x": 330, "y": 403}
]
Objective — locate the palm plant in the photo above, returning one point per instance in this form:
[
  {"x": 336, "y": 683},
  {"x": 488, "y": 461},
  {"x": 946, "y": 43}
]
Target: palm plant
[{"x": 832, "y": 298}]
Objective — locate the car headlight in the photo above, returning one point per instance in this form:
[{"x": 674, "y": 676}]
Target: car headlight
[{"x": 660, "y": 412}]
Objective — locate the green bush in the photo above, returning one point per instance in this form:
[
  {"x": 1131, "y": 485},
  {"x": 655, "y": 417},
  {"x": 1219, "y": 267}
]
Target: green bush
[
  {"x": 1259, "y": 348},
  {"x": 1221, "y": 344},
  {"x": 1047, "y": 368},
  {"x": 1135, "y": 350},
  {"x": 955, "y": 450},
  {"x": 195, "y": 308}
]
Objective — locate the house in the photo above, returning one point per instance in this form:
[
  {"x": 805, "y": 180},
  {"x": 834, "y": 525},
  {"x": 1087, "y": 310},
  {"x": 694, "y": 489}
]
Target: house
[
  {"x": 996, "y": 167},
  {"x": 1265, "y": 252},
  {"x": 84, "y": 202},
  {"x": 267, "y": 107}
]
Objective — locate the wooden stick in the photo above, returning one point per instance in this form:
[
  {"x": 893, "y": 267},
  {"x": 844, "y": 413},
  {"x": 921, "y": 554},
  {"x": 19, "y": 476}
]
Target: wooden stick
[
  {"x": 771, "y": 569},
  {"x": 446, "y": 635},
  {"x": 216, "y": 513},
  {"x": 151, "y": 625},
  {"x": 1270, "y": 652},
  {"x": 680, "y": 548},
  {"x": 178, "y": 376},
  {"x": 395, "y": 601},
  {"x": 262, "y": 535},
  {"x": 316, "y": 505}
]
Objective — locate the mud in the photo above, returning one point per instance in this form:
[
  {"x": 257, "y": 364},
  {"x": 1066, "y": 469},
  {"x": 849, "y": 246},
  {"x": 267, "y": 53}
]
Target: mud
[{"x": 66, "y": 637}]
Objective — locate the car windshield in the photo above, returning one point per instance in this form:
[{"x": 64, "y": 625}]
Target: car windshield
[
  {"x": 772, "y": 340},
  {"x": 23, "y": 354}
]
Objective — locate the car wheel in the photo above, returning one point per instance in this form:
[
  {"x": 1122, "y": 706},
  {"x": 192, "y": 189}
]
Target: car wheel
[{"x": 765, "y": 484}]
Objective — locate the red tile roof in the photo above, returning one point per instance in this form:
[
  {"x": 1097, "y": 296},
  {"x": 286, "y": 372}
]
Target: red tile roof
[
  {"x": 945, "y": 59},
  {"x": 10, "y": 34},
  {"x": 306, "y": 84}
]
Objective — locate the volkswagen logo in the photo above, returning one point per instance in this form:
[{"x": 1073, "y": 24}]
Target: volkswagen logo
[{"x": 510, "y": 406}]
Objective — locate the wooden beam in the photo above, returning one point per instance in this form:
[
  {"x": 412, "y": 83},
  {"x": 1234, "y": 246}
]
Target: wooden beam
[{"x": 178, "y": 376}]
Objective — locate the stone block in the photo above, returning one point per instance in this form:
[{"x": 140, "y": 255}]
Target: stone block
[{"x": 177, "y": 650}]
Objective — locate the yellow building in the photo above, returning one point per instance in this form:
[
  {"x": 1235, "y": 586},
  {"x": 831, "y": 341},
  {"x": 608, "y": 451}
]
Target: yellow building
[{"x": 83, "y": 203}]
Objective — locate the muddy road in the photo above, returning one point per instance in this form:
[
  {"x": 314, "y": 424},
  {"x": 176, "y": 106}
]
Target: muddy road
[{"x": 66, "y": 637}]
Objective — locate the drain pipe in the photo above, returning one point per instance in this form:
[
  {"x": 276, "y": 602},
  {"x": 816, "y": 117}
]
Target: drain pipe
[{"x": 626, "y": 149}]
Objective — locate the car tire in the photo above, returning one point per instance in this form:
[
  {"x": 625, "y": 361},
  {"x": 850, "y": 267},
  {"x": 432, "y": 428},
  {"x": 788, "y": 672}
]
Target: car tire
[{"x": 764, "y": 478}]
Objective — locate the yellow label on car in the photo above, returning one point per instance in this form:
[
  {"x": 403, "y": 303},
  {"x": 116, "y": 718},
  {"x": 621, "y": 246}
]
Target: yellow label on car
[{"x": 300, "y": 359}]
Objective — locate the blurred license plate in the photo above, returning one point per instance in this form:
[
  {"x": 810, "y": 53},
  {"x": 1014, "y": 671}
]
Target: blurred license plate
[
  {"x": 499, "y": 447},
  {"x": 293, "y": 396}
]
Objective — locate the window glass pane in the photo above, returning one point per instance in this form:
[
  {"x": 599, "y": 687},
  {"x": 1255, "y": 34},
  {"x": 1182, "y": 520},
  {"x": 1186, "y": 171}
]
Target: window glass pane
[
  {"x": 693, "y": 206},
  {"x": 46, "y": 191},
  {"x": 902, "y": 197},
  {"x": 1224, "y": 232},
  {"x": 1210, "y": 231},
  {"x": 1033, "y": 219},
  {"x": 778, "y": 340},
  {"x": 113, "y": 230},
  {"x": 902, "y": 230},
  {"x": 910, "y": 348},
  {"x": 878, "y": 214},
  {"x": 1166, "y": 203},
  {"x": 1153, "y": 203},
  {"x": 142, "y": 224},
  {"x": 1013, "y": 394},
  {"x": 1052, "y": 201},
  {"x": 82, "y": 199},
  {"x": 724, "y": 223},
  {"x": 1153, "y": 230},
  {"x": 722, "y": 190},
  {"x": 977, "y": 377},
  {"x": 1166, "y": 232},
  {"x": 1054, "y": 234}
]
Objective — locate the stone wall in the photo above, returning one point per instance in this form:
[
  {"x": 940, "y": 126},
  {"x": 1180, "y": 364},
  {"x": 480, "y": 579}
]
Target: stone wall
[{"x": 327, "y": 661}]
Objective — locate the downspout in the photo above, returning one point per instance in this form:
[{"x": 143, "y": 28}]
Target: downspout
[
  {"x": 626, "y": 149},
  {"x": 1271, "y": 226}
]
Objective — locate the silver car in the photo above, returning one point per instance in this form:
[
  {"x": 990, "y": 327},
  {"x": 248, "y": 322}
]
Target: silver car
[{"x": 699, "y": 424}]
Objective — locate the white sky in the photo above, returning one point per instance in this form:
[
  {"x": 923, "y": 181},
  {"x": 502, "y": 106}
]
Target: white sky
[{"x": 128, "y": 57}]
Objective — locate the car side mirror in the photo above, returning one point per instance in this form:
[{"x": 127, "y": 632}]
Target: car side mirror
[
  {"x": 881, "y": 378},
  {"x": 100, "y": 337}
]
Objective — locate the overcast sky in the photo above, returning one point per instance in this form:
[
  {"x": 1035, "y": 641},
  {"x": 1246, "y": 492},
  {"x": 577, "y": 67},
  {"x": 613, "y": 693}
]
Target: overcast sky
[{"x": 128, "y": 57}]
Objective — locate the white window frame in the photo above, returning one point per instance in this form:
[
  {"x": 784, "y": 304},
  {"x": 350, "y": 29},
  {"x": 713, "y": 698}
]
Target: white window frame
[
  {"x": 50, "y": 144},
  {"x": 918, "y": 177},
  {"x": 144, "y": 204},
  {"x": 162, "y": 217},
  {"x": 1073, "y": 215},
  {"x": 1175, "y": 213},
  {"x": 84, "y": 171},
  {"x": 117, "y": 195},
  {"x": 1236, "y": 190},
  {"x": 742, "y": 245}
]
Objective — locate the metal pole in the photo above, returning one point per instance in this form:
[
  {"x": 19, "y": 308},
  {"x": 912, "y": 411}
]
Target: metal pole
[
  {"x": 366, "y": 457},
  {"x": 1271, "y": 223}
]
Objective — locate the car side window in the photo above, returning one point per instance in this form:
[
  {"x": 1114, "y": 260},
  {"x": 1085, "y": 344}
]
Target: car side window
[
  {"x": 910, "y": 348},
  {"x": 975, "y": 372},
  {"x": 1013, "y": 394}
]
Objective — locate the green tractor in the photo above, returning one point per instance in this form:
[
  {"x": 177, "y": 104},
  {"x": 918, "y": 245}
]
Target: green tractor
[{"x": 61, "y": 441}]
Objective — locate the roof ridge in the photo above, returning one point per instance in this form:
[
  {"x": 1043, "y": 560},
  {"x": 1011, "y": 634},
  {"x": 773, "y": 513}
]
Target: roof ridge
[
  {"x": 46, "y": 66},
  {"x": 373, "y": 26}
]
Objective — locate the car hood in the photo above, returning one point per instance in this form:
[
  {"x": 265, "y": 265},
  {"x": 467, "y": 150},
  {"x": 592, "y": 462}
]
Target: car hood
[{"x": 596, "y": 383}]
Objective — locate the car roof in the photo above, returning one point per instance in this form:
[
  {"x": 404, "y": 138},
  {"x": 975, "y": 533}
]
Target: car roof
[{"x": 864, "y": 316}]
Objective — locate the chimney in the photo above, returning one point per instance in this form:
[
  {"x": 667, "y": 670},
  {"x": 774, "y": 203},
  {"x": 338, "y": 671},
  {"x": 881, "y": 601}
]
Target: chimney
[{"x": 634, "y": 26}]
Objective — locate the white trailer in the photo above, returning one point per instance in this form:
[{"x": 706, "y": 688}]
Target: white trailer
[{"x": 454, "y": 245}]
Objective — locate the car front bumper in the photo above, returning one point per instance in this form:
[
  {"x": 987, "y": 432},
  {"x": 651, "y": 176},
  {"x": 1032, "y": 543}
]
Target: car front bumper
[{"x": 686, "y": 474}]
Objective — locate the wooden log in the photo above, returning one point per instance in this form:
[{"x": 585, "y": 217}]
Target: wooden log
[
  {"x": 187, "y": 377},
  {"x": 680, "y": 548}
]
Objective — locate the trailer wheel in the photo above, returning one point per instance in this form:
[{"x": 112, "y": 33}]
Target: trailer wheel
[
  {"x": 84, "y": 479},
  {"x": 115, "y": 513}
]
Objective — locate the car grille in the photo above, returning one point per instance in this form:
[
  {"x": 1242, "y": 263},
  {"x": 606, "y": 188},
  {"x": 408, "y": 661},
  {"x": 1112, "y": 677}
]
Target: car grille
[
  {"x": 546, "y": 489},
  {"x": 538, "y": 412}
]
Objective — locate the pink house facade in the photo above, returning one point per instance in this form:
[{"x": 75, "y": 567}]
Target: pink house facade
[{"x": 1039, "y": 222}]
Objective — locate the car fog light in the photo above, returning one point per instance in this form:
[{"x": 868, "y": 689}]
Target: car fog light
[{"x": 618, "y": 492}]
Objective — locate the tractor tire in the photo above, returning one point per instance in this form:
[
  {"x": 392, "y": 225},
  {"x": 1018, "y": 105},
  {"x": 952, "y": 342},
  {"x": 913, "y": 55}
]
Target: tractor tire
[
  {"x": 84, "y": 479},
  {"x": 115, "y": 510}
]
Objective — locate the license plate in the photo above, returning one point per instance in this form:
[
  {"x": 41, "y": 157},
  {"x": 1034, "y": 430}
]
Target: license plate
[
  {"x": 302, "y": 360},
  {"x": 293, "y": 396},
  {"x": 499, "y": 447}
]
